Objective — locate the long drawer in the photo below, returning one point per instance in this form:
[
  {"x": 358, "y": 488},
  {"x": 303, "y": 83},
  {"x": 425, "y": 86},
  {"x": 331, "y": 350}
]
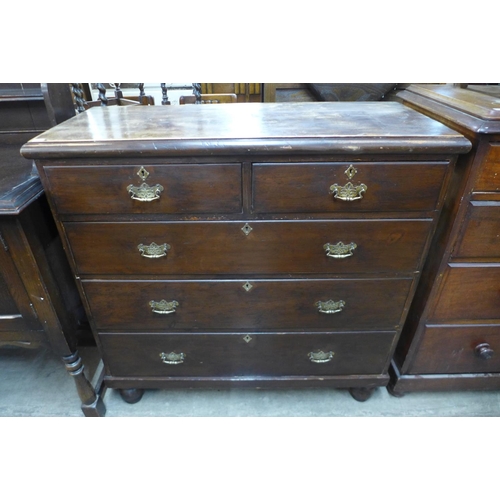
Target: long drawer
[
  {"x": 254, "y": 305},
  {"x": 326, "y": 187},
  {"x": 469, "y": 293},
  {"x": 212, "y": 355},
  {"x": 459, "y": 349},
  {"x": 183, "y": 188},
  {"x": 254, "y": 247}
]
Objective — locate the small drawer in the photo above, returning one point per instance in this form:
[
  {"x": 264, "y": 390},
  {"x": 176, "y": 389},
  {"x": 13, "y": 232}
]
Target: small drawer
[
  {"x": 481, "y": 234},
  {"x": 469, "y": 293},
  {"x": 240, "y": 355},
  {"x": 253, "y": 305},
  {"x": 459, "y": 349},
  {"x": 347, "y": 187},
  {"x": 169, "y": 189},
  {"x": 248, "y": 247},
  {"x": 489, "y": 177}
]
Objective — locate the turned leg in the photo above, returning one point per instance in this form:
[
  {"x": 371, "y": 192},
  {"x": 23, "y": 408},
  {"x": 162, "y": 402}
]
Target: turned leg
[
  {"x": 361, "y": 394},
  {"x": 92, "y": 403},
  {"x": 131, "y": 396}
]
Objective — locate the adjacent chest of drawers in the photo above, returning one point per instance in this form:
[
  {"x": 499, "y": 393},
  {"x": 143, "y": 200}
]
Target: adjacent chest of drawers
[
  {"x": 452, "y": 337},
  {"x": 260, "y": 245}
]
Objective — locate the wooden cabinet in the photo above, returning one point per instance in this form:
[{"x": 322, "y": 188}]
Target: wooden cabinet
[
  {"x": 450, "y": 340},
  {"x": 263, "y": 245},
  {"x": 39, "y": 301}
]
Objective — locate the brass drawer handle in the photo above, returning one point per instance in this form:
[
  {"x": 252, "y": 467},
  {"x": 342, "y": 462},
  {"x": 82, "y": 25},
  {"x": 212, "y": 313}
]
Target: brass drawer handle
[
  {"x": 144, "y": 192},
  {"x": 349, "y": 192},
  {"x": 172, "y": 358},
  {"x": 320, "y": 356},
  {"x": 330, "y": 306},
  {"x": 163, "y": 307},
  {"x": 153, "y": 251},
  {"x": 339, "y": 250}
]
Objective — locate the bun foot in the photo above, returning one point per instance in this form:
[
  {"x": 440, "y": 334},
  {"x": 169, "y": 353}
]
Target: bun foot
[
  {"x": 361, "y": 394},
  {"x": 395, "y": 392},
  {"x": 131, "y": 396}
]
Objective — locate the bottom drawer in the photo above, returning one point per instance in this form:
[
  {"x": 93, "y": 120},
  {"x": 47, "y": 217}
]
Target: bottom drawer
[
  {"x": 240, "y": 355},
  {"x": 459, "y": 349}
]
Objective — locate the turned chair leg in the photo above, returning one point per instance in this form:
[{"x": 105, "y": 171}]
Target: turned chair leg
[{"x": 92, "y": 403}]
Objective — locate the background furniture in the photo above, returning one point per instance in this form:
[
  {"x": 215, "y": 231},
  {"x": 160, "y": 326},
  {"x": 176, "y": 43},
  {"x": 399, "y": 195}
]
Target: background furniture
[
  {"x": 452, "y": 336},
  {"x": 209, "y": 99},
  {"x": 39, "y": 302},
  {"x": 309, "y": 92},
  {"x": 264, "y": 245},
  {"x": 245, "y": 92}
]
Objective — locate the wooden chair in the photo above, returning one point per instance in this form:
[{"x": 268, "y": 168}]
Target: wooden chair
[
  {"x": 199, "y": 98},
  {"x": 209, "y": 99},
  {"x": 64, "y": 100}
]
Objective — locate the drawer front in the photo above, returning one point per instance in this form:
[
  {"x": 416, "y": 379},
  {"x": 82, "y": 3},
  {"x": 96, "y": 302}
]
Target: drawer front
[
  {"x": 183, "y": 189},
  {"x": 469, "y": 293},
  {"x": 201, "y": 355},
  {"x": 307, "y": 187},
  {"x": 270, "y": 247},
  {"x": 459, "y": 349},
  {"x": 489, "y": 177},
  {"x": 256, "y": 305},
  {"x": 481, "y": 234}
]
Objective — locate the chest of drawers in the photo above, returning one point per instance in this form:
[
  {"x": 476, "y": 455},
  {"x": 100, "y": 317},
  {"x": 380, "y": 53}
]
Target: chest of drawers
[
  {"x": 452, "y": 337},
  {"x": 254, "y": 245}
]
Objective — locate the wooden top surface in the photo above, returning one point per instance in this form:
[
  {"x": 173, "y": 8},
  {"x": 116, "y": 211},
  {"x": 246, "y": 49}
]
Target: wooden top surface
[
  {"x": 365, "y": 127},
  {"x": 482, "y": 101},
  {"x": 476, "y": 108}
]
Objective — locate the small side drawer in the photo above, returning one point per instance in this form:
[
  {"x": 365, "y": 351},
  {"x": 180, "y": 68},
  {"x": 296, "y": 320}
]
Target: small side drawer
[
  {"x": 469, "y": 293},
  {"x": 481, "y": 233},
  {"x": 253, "y": 305},
  {"x": 248, "y": 247},
  {"x": 182, "y": 189},
  {"x": 307, "y": 187},
  {"x": 489, "y": 177},
  {"x": 459, "y": 349},
  {"x": 255, "y": 354}
]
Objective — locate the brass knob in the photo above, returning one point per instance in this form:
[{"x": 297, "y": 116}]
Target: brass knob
[{"x": 484, "y": 351}]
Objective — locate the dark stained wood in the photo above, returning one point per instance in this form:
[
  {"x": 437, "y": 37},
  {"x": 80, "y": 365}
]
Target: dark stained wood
[
  {"x": 453, "y": 350},
  {"x": 469, "y": 293},
  {"x": 336, "y": 127},
  {"x": 480, "y": 234},
  {"x": 489, "y": 177},
  {"x": 256, "y": 167},
  {"x": 222, "y": 355},
  {"x": 131, "y": 396},
  {"x": 186, "y": 189},
  {"x": 39, "y": 303},
  {"x": 361, "y": 394},
  {"x": 289, "y": 187},
  {"x": 271, "y": 247},
  {"x": 226, "y": 305},
  {"x": 456, "y": 305}
]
